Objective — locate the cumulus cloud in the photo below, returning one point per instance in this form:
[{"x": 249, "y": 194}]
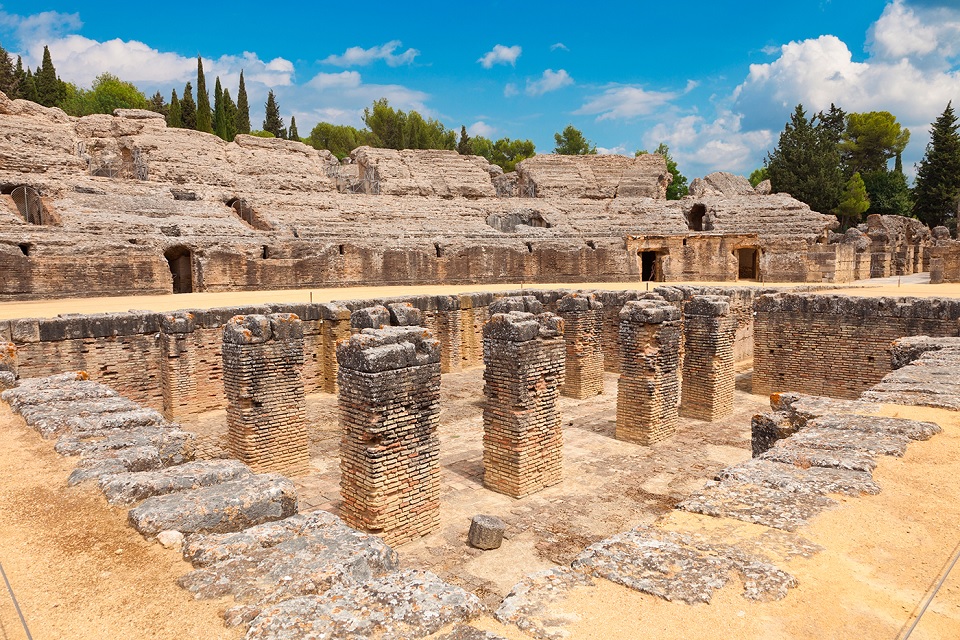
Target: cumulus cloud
[
  {"x": 619, "y": 101},
  {"x": 500, "y": 55},
  {"x": 619, "y": 150},
  {"x": 481, "y": 128},
  {"x": 550, "y": 81},
  {"x": 342, "y": 80},
  {"x": 360, "y": 57},
  {"x": 700, "y": 145},
  {"x": 560, "y": 46},
  {"x": 340, "y": 98},
  {"x": 44, "y": 26}
]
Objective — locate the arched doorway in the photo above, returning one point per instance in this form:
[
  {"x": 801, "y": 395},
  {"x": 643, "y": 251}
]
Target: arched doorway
[
  {"x": 651, "y": 267},
  {"x": 748, "y": 267},
  {"x": 695, "y": 217},
  {"x": 180, "y": 260},
  {"x": 28, "y": 204}
]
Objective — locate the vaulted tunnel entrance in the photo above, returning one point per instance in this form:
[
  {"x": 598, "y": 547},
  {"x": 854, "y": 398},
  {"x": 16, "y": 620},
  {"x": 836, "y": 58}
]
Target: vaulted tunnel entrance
[
  {"x": 650, "y": 267},
  {"x": 695, "y": 217},
  {"x": 180, "y": 260}
]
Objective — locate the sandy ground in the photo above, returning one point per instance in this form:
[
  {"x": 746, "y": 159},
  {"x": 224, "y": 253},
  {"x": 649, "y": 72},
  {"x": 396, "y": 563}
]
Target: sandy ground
[{"x": 917, "y": 285}]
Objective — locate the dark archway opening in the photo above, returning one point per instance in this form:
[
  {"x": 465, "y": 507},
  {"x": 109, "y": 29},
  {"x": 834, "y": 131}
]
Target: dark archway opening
[
  {"x": 180, "y": 260},
  {"x": 695, "y": 217},
  {"x": 748, "y": 267},
  {"x": 648, "y": 266},
  {"x": 28, "y": 204}
]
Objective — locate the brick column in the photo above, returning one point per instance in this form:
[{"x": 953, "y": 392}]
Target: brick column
[
  {"x": 649, "y": 386},
  {"x": 389, "y": 398},
  {"x": 178, "y": 366},
  {"x": 522, "y": 436},
  {"x": 582, "y": 328},
  {"x": 709, "y": 331},
  {"x": 450, "y": 333},
  {"x": 8, "y": 365},
  {"x": 335, "y": 325},
  {"x": 263, "y": 380},
  {"x": 473, "y": 315}
]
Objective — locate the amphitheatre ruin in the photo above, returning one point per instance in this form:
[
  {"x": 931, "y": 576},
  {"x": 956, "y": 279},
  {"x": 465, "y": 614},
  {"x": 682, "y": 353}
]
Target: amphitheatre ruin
[{"x": 552, "y": 405}]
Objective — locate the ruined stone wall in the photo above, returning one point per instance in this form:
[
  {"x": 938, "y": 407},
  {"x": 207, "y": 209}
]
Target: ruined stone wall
[{"x": 834, "y": 345}]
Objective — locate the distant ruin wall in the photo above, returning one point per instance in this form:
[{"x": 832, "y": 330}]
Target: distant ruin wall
[{"x": 835, "y": 345}]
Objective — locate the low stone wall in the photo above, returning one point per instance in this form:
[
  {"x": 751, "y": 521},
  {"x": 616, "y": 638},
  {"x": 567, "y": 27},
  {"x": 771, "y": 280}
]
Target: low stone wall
[{"x": 835, "y": 345}]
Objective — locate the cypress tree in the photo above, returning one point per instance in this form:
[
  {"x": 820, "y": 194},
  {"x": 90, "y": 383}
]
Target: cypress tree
[
  {"x": 48, "y": 85},
  {"x": 174, "y": 117},
  {"x": 7, "y": 78},
  {"x": 292, "y": 133},
  {"x": 273, "y": 122},
  {"x": 204, "y": 118},
  {"x": 158, "y": 105},
  {"x": 29, "y": 89},
  {"x": 188, "y": 108},
  {"x": 853, "y": 201},
  {"x": 243, "y": 108},
  {"x": 219, "y": 116},
  {"x": 463, "y": 146},
  {"x": 20, "y": 80},
  {"x": 229, "y": 117},
  {"x": 937, "y": 189}
]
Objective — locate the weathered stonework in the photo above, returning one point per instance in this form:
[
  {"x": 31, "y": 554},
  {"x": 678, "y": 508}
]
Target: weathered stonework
[
  {"x": 649, "y": 386},
  {"x": 582, "y": 334},
  {"x": 263, "y": 381},
  {"x": 8, "y": 365},
  {"x": 522, "y": 435},
  {"x": 389, "y": 398},
  {"x": 709, "y": 378}
]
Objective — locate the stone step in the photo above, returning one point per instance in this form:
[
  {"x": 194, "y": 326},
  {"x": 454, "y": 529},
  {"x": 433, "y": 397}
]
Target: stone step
[
  {"x": 398, "y": 606},
  {"x": 129, "y": 488},
  {"x": 794, "y": 479},
  {"x": 230, "y": 506},
  {"x": 757, "y": 504},
  {"x": 790, "y": 452},
  {"x": 305, "y": 554},
  {"x": 174, "y": 446},
  {"x": 53, "y": 418}
]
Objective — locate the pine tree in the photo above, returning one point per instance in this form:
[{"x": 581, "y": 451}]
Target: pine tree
[
  {"x": 29, "y": 89},
  {"x": 188, "y": 108},
  {"x": 292, "y": 133},
  {"x": 219, "y": 116},
  {"x": 7, "y": 78},
  {"x": 853, "y": 201},
  {"x": 273, "y": 122},
  {"x": 243, "y": 108},
  {"x": 937, "y": 189},
  {"x": 20, "y": 80},
  {"x": 49, "y": 91},
  {"x": 463, "y": 146},
  {"x": 229, "y": 117},
  {"x": 158, "y": 104},
  {"x": 174, "y": 117},
  {"x": 204, "y": 117}
]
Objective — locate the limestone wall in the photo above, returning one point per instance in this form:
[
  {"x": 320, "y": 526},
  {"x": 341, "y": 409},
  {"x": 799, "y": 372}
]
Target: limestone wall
[{"x": 834, "y": 345}]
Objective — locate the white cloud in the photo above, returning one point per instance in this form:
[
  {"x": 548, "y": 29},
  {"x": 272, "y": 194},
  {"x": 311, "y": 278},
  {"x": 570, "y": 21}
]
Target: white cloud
[
  {"x": 550, "y": 81},
  {"x": 628, "y": 101},
  {"x": 902, "y": 31},
  {"x": 359, "y": 57},
  {"x": 500, "y": 55},
  {"x": 340, "y": 98},
  {"x": 510, "y": 90},
  {"x": 699, "y": 145},
  {"x": 43, "y": 27},
  {"x": 481, "y": 128},
  {"x": 342, "y": 80},
  {"x": 559, "y": 45},
  {"x": 619, "y": 150}
]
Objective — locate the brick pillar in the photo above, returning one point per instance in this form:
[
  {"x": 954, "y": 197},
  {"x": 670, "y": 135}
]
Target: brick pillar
[
  {"x": 178, "y": 365},
  {"x": 522, "y": 436},
  {"x": 709, "y": 331},
  {"x": 450, "y": 333},
  {"x": 389, "y": 398},
  {"x": 8, "y": 365},
  {"x": 649, "y": 387},
  {"x": 582, "y": 333},
  {"x": 474, "y": 314},
  {"x": 263, "y": 380},
  {"x": 335, "y": 325}
]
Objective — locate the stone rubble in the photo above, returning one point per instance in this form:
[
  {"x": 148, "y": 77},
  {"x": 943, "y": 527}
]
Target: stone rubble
[{"x": 130, "y": 488}]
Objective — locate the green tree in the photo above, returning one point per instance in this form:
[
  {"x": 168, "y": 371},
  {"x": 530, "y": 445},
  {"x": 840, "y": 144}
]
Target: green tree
[
  {"x": 107, "y": 93},
  {"x": 188, "y": 108},
  {"x": 678, "y": 186},
  {"x": 833, "y": 123},
  {"x": 229, "y": 117},
  {"x": 853, "y": 201},
  {"x": 28, "y": 90},
  {"x": 937, "y": 189},
  {"x": 273, "y": 122},
  {"x": 888, "y": 193},
  {"x": 806, "y": 163},
  {"x": 243, "y": 108},
  {"x": 571, "y": 142},
  {"x": 219, "y": 111},
  {"x": 292, "y": 133},
  {"x": 8, "y": 78},
  {"x": 204, "y": 117},
  {"x": 463, "y": 145},
  {"x": 386, "y": 124},
  {"x": 158, "y": 105},
  {"x": 262, "y": 134},
  {"x": 20, "y": 79},
  {"x": 759, "y": 175},
  {"x": 174, "y": 117},
  {"x": 340, "y": 140},
  {"x": 505, "y": 153},
  {"x": 871, "y": 139},
  {"x": 50, "y": 91}
]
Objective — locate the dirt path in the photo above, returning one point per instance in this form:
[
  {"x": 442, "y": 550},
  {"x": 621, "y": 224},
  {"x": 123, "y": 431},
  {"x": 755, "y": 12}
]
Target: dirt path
[{"x": 77, "y": 569}]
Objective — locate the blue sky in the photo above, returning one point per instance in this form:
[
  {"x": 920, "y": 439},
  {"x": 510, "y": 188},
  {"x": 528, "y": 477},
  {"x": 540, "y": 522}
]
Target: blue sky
[{"x": 715, "y": 83}]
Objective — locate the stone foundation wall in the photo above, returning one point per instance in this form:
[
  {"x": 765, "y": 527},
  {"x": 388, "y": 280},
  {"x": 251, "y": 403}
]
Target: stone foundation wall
[
  {"x": 648, "y": 391},
  {"x": 834, "y": 345},
  {"x": 522, "y": 434},
  {"x": 389, "y": 398},
  {"x": 709, "y": 378},
  {"x": 263, "y": 384}
]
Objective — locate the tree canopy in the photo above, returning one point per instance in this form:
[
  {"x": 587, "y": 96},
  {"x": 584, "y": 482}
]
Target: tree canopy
[
  {"x": 937, "y": 190},
  {"x": 188, "y": 108},
  {"x": 340, "y": 140},
  {"x": 678, "y": 186},
  {"x": 871, "y": 139},
  {"x": 505, "y": 153},
  {"x": 571, "y": 142},
  {"x": 393, "y": 129},
  {"x": 853, "y": 200},
  {"x": 204, "y": 116},
  {"x": 273, "y": 123},
  {"x": 107, "y": 93},
  {"x": 243, "y": 108}
]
